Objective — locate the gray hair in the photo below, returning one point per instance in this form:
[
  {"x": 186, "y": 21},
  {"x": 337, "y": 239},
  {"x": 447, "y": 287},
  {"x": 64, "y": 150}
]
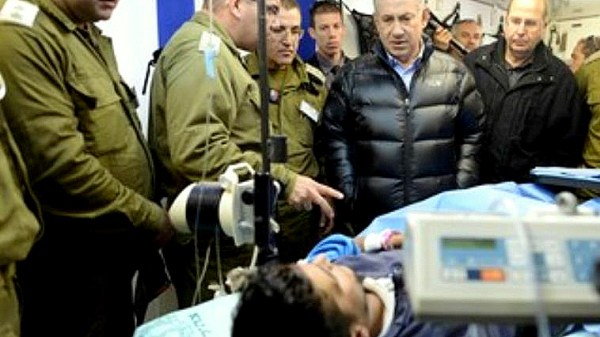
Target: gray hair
[
  {"x": 463, "y": 21},
  {"x": 589, "y": 45},
  {"x": 375, "y": 2}
]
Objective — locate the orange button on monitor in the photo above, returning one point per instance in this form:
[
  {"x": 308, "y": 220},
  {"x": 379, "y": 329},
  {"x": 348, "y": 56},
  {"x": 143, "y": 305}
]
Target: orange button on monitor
[{"x": 492, "y": 275}]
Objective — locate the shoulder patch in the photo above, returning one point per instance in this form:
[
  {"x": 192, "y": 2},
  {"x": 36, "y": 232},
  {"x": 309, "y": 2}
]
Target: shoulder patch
[
  {"x": 315, "y": 74},
  {"x": 19, "y": 12}
]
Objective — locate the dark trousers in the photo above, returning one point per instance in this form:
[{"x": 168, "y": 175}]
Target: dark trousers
[{"x": 77, "y": 280}]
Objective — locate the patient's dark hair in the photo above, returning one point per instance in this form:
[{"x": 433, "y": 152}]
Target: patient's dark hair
[{"x": 279, "y": 300}]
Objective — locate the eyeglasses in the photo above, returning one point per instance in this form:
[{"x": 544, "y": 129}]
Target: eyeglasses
[{"x": 280, "y": 31}]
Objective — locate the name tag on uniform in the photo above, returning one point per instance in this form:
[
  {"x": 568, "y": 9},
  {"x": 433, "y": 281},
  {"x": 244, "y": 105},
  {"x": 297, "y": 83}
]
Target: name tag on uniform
[
  {"x": 309, "y": 111},
  {"x": 20, "y": 12}
]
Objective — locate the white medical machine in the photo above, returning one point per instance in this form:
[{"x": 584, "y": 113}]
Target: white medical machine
[
  {"x": 228, "y": 203},
  {"x": 481, "y": 267}
]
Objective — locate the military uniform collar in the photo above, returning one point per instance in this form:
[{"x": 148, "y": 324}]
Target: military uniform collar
[
  {"x": 296, "y": 68},
  {"x": 595, "y": 56},
  {"x": 251, "y": 61},
  {"x": 50, "y": 8},
  {"x": 91, "y": 33}
]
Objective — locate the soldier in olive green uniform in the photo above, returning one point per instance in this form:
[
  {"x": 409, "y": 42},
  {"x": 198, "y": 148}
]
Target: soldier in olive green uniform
[
  {"x": 297, "y": 95},
  {"x": 588, "y": 81},
  {"x": 75, "y": 122},
  {"x": 205, "y": 116},
  {"x": 18, "y": 224}
]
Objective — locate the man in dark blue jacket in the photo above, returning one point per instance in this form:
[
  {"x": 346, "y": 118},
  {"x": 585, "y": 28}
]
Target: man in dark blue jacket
[
  {"x": 534, "y": 114},
  {"x": 402, "y": 123}
]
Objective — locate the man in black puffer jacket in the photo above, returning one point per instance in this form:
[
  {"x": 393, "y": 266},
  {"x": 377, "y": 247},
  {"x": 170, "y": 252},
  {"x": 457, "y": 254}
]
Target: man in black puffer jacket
[{"x": 402, "y": 123}]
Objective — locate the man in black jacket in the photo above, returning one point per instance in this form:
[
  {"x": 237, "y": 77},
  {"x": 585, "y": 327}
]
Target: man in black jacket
[
  {"x": 534, "y": 115},
  {"x": 402, "y": 123}
]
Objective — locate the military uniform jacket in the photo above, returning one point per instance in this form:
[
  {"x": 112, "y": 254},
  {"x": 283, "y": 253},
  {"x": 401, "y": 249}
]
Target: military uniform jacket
[
  {"x": 204, "y": 111},
  {"x": 588, "y": 81},
  {"x": 297, "y": 95},
  {"x": 18, "y": 224},
  {"x": 74, "y": 118}
]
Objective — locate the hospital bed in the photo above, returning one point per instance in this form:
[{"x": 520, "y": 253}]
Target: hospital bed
[{"x": 213, "y": 318}]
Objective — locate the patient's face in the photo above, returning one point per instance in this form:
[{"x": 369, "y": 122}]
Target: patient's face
[{"x": 339, "y": 284}]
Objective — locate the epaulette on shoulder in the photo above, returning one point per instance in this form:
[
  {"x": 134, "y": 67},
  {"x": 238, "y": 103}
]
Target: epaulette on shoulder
[
  {"x": 19, "y": 12},
  {"x": 315, "y": 74}
]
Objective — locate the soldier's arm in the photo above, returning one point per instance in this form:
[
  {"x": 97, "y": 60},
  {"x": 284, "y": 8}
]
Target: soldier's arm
[
  {"x": 18, "y": 225},
  {"x": 43, "y": 118}
]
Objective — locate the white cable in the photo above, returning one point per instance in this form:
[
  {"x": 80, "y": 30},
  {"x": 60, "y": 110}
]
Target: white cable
[
  {"x": 218, "y": 257},
  {"x": 210, "y": 17},
  {"x": 541, "y": 317},
  {"x": 197, "y": 298},
  {"x": 211, "y": 30},
  {"x": 200, "y": 275},
  {"x": 254, "y": 257}
]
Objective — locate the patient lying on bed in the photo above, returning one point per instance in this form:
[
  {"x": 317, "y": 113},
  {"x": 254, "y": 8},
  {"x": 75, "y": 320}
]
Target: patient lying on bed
[
  {"x": 359, "y": 295},
  {"x": 362, "y": 294}
]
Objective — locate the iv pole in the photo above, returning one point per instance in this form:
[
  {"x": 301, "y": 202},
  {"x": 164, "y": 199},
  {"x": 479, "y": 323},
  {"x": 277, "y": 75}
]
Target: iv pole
[{"x": 263, "y": 182}]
